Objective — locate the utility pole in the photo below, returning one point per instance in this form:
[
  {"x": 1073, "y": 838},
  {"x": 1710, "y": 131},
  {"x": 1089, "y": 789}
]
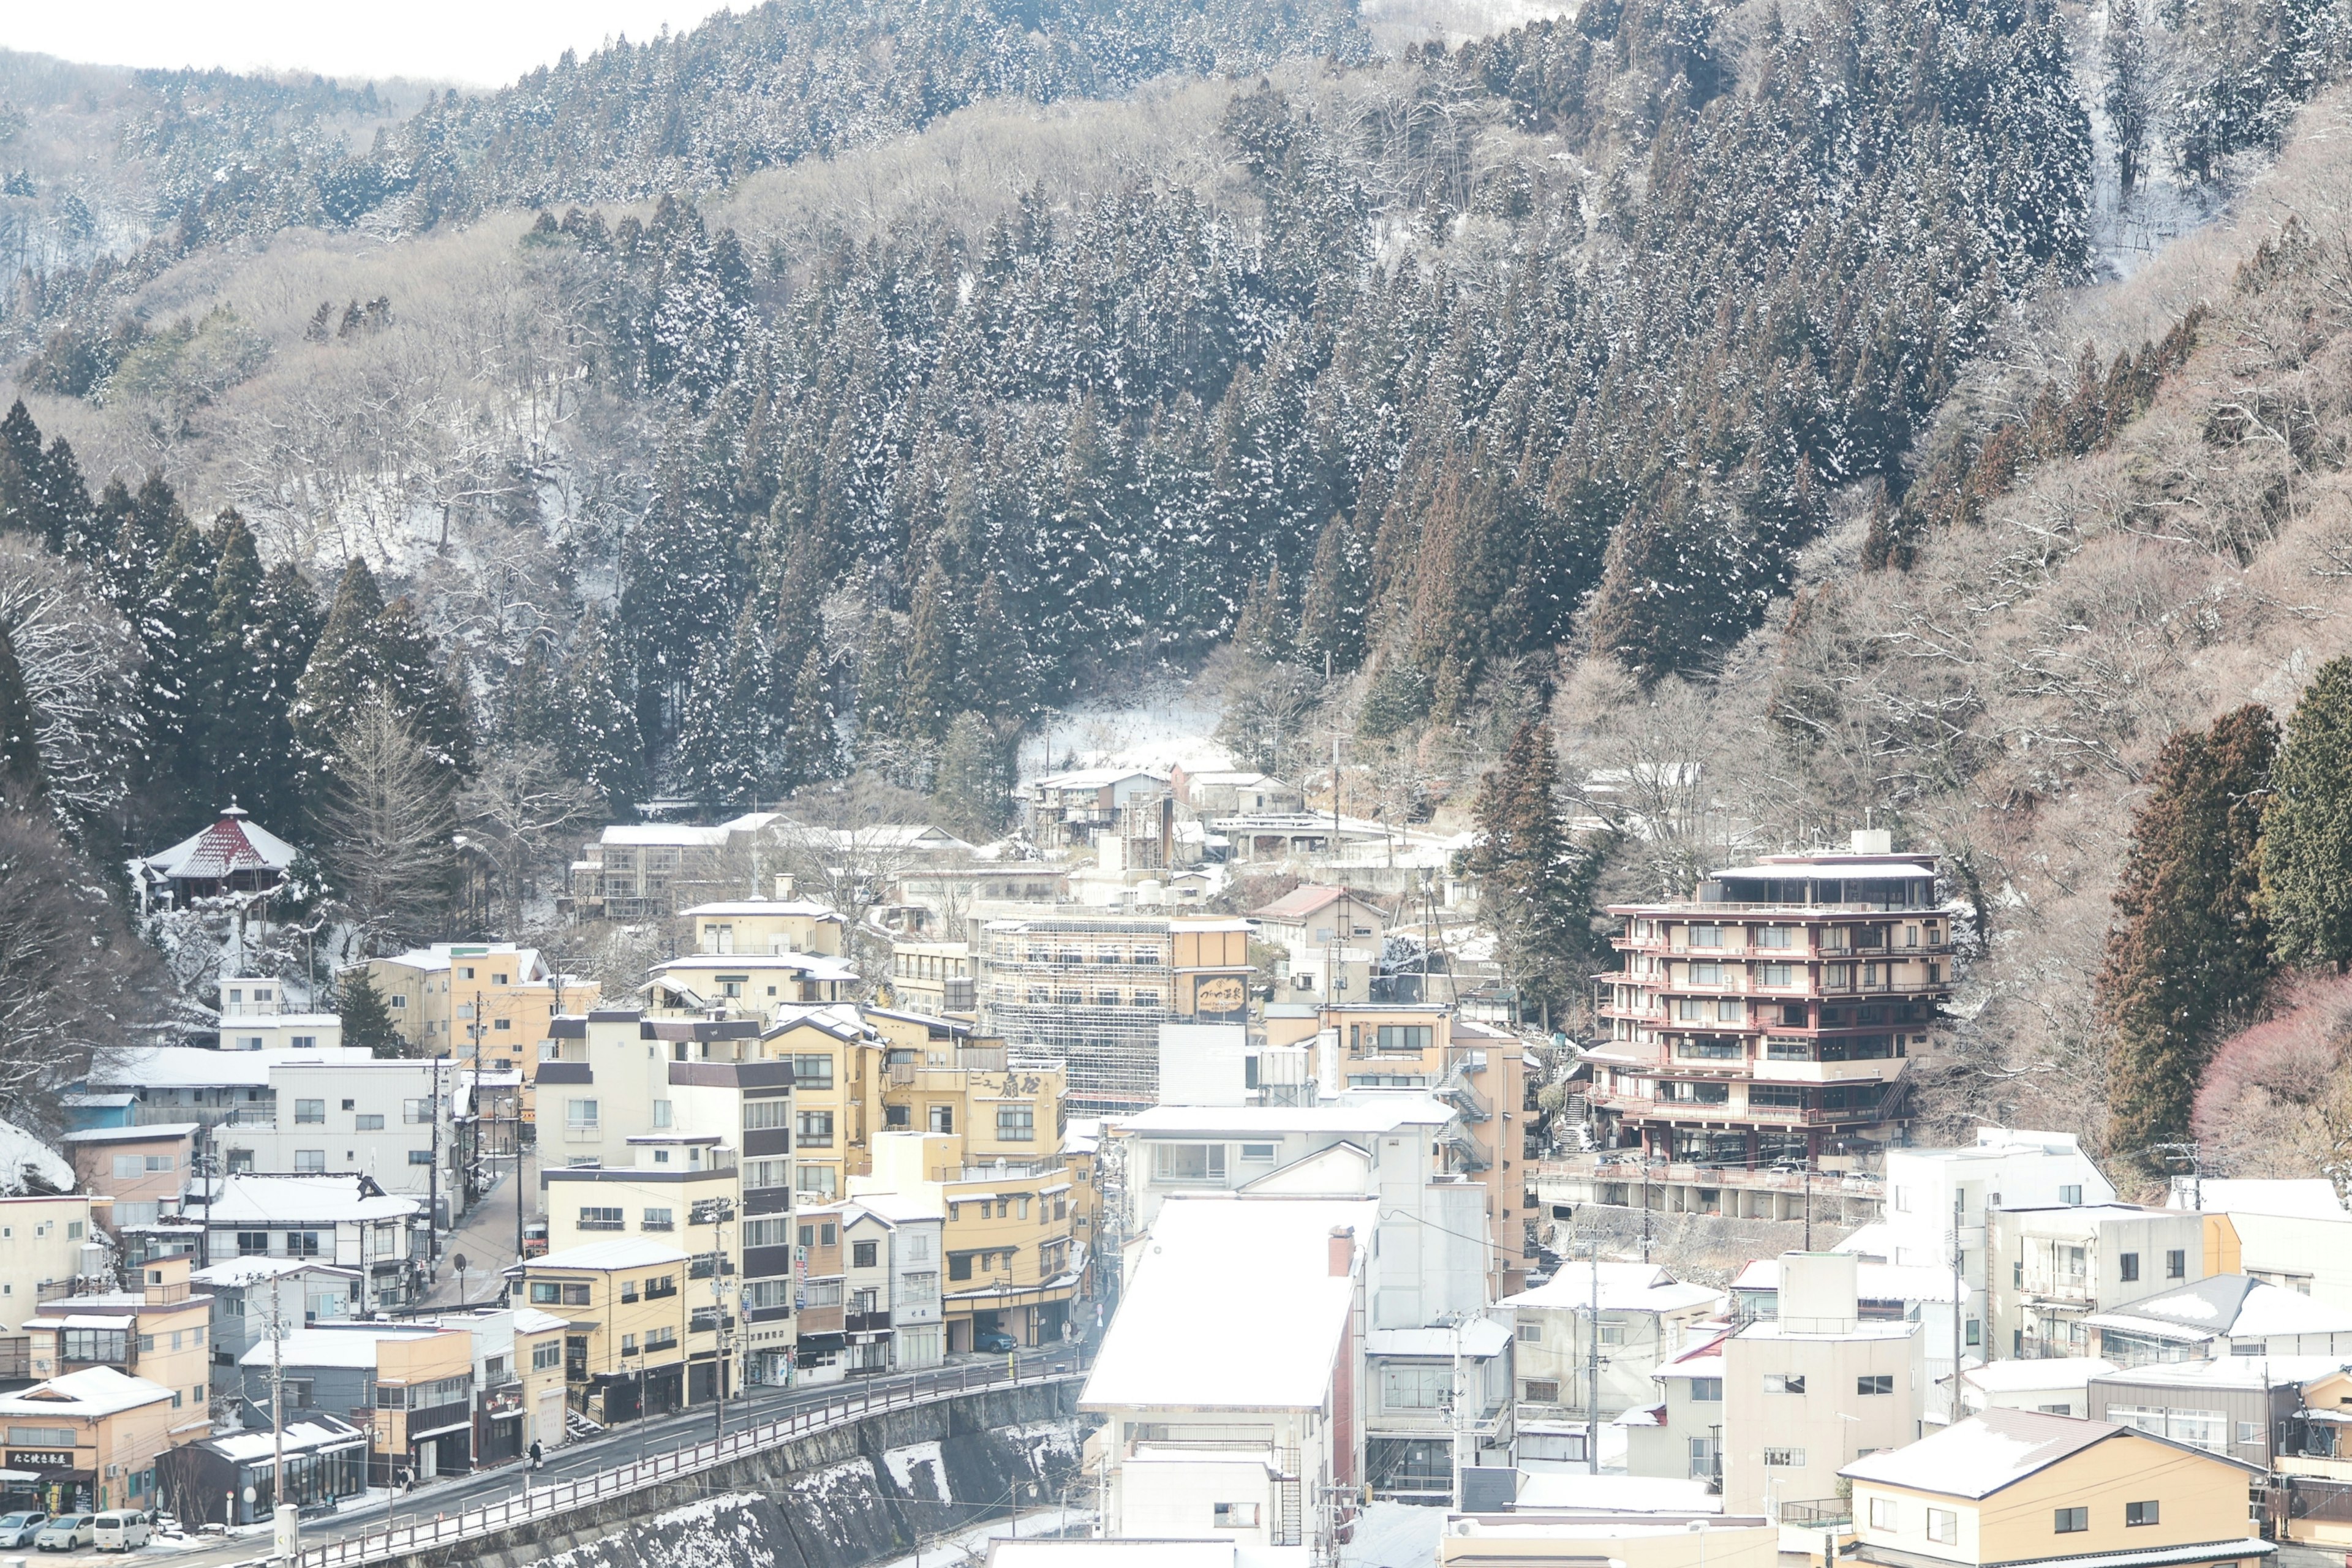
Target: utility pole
[
  {"x": 286, "y": 1516},
  {"x": 1592, "y": 1368},
  {"x": 433, "y": 1179},
  {"x": 1959, "y": 1291}
]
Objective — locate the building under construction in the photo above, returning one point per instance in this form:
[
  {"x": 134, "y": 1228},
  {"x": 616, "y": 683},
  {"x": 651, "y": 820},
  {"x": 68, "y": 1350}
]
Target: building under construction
[{"x": 1089, "y": 994}]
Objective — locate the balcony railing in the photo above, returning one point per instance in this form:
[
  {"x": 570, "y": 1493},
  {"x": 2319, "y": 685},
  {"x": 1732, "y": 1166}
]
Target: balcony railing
[{"x": 999, "y": 1171}]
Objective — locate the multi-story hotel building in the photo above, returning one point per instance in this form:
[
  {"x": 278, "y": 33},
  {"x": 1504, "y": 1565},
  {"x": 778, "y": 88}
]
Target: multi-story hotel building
[{"x": 1769, "y": 1020}]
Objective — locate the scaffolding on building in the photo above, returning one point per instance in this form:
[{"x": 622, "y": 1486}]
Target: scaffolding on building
[{"x": 1087, "y": 996}]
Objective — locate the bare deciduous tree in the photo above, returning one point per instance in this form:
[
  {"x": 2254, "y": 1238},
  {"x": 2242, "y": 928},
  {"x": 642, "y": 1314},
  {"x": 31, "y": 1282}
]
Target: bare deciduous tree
[{"x": 388, "y": 825}]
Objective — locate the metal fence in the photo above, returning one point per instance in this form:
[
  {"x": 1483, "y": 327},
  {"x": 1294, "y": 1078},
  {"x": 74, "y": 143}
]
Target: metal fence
[{"x": 564, "y": 1497}]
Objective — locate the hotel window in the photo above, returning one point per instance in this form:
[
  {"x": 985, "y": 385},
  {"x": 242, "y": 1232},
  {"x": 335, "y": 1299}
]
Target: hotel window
[
  {"x": 760, "y": 1174},
  {"x": 815, "y": 1129},
  {"x": 1772, "y": 936},
  {"x": 1017, "y": 1124},
  {"x": 765, "y": 1115},
  {"x": 1707, "y": 974},
  {"x": 1777, "y": 974},
  {"x": 813, "y": 1072},
  {"x": 1707, "y": 936}
]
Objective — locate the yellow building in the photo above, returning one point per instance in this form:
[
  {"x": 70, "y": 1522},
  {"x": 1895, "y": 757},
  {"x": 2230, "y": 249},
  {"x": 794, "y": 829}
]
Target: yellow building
[
  {"x": 639, "y": 1342},
  {"x": 44, "y": 1242},
  {"x": 2021, "y": 1486},
  {"x": 159, "y": 1332},
  {"x": 837, "y": 1073},
  {"x": 450, "y": 998},
  {"x": 764, "y": 925},
  {"x": 538, "y": 1368},
  {"x": 934, "y": 978},
  {"x": 88, "y": 1439},
  {"x": 1013, "y": 1264}
]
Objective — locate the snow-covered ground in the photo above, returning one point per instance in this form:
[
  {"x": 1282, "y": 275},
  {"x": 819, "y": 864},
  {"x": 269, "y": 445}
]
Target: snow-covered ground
[
  {"x": 1394, "y": 1535},
  {"x": 1170, "y": 723},
  {"x": 970, "y": 1546}
]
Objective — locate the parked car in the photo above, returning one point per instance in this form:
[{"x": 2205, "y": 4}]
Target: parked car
[
  {"x": 994, "y": 1339},
  {"x": 123, "y": 1529},
  {"x": 67, "y": 1532},
  {"x": 18, "y": 1529}
]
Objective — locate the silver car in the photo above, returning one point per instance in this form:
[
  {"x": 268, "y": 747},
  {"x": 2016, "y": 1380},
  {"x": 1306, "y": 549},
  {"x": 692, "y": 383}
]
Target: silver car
[{"x": 18, "y": 1529}]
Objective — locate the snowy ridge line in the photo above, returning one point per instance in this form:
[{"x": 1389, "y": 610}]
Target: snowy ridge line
[{"x": 390, "y": 1544}]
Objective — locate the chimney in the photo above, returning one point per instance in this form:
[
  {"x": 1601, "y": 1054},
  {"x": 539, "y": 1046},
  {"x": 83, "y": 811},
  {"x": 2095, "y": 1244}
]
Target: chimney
[{"x": 1343, "y": 1250}]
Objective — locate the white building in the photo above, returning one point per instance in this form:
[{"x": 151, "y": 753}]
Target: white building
[
  {"x": 253, "y": 1018},
  {"x": 246, "y": 1290},
  {"x": 2053, "y": 1268},
  {"x": 2294, "y": 1233},
  {"x": 348, "y": 1221},
  {"x": 388, "y": 1119},
  {"x": 1809, "y": 1392},
  {"x": 2004, "y": 1168},
  {"x": 2054, "y": 1386},
  {"x": 2226, "y": 1314},
  {"x": 186, "y": 1083},
  {"x": 1433, "y": 1257},
  {"x": 891, "y": 1250},
  {"x": 1638, "y": 1318},
  {"x": 1231, "y": 1381}
]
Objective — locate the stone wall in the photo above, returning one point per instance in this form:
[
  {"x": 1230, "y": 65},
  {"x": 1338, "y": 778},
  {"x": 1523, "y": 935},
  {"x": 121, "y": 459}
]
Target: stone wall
[{"x": 844, "y": 1499}]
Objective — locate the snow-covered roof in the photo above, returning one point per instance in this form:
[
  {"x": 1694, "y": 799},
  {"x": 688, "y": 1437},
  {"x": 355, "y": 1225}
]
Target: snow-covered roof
[
  {"x": 531, "y": 1320},
  {"x": 27, "y": 1165},
  {"x": 676, "y": 834},
  {"x": 1256, "y": 1120},
  {"x": 1300, "y": 902},
  {"x": 842, "y": 1020},
  {"x": 147, "y": 1133},
  {"x": 1996, "y": 1448},
  {"x": 345, "y": 1344},
  {"x": 2230, "y": 1371},
  {"x": 2227, "y": 1304},
  {"x": 302, "y": 1200},
  {"x": 1625, "y": 1288},
  {"x": 1095, "y": 778},
  {"x": 317, "y": 1432},
  {"x": 816, "y": 965},
  {"x": 747, "y": 909},
  {"x": 247, "y": 1272},
  {"x": 436, "y": 958},
  {"x": 1873, "y": 1281},
  {"x": 1574, "y": 1489},
  {"x": 2303, "y": 1198},
  {"x": 1893, "y": 868},
  {"x": 92, "y": 1392},
  {"x": 2029, "y": 1376},
  {"x": 896, "y": 1208},
  {"x": 1082, "y": 1135},
  {"x": 193, "y": 1066},
  {"x": 624, "y": 1252},
  {"x": 235, "y": 842},
  {"x": 1244, "y": 1285},
  {"x": 1480, "y": 1337}
]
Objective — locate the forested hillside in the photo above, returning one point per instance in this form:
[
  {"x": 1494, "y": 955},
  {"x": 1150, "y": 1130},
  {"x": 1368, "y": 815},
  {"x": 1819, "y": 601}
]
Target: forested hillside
[{"x": 833, "y": 391}]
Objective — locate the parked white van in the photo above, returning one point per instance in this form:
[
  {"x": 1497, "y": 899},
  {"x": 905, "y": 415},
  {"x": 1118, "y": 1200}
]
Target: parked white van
[{"x": 125, "y": 1530}]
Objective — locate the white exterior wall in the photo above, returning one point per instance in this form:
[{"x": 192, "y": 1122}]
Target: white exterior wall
[
  {"x": 630, "y": 1093},
  {"x": 1205, "y": 1064},
  {"x": 372, "y": 1090},
  {"x": 915, "y": 1264},
  {"x": 281, "y": 1031}
]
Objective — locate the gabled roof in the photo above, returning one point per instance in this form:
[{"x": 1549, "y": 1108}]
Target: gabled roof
[
  {"x": 303, "y": 1200},
  {"x": 1625, "y": 1288},
  {"x": 1998, "y": 1448},
  {"x": 92, "y": 1392},
  {"x": 235, "y": 842},
  {"x": 1300, "y": 902}
]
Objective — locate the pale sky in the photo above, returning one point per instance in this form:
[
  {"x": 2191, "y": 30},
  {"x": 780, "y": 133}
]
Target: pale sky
[{"x": 484, "y": 43}]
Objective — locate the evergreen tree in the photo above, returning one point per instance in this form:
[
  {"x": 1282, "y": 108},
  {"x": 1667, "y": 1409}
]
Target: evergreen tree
[
  {"x": 1332, "y": 614},
  {"x": 225, "y": 724},
  {"x": 2130, "y": 95},
  {"x": 934, "y": 652},
  {"x": 254, "y": 739},
  {"x": 996, "y": 661},
  {"x": 2306, "y": 845},
  {"x": 1536, "y": 883},
  {"x": 371, "y": 652},
  {"x": 972, "y": 792},
  {"x": 173, "y": 625},
  {"x": 387, "y": 822},
  {"x": 811, "y": 747},
  {"x": 595, "y": 734},
  {"x": 367, "y": 1019},
  {"x": 20, "y": 754},
  {"x": 2190, "y": 949}
]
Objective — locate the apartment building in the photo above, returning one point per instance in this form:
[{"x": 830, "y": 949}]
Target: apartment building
[
  {"x": 1770, "y": 1017},
  {"x": 1436, "y": 1400},
  {"x": 1477, "y": 1069},
  {"x": 410, "y": 1386},
  {"x": 1678, "y": 1436},
  {"x": 47, "y": 1249},
  {"x": 1231, "y": 1383},
  {"x": 85, "y": 1440},
  {"x": 636, "y": 1344},
  {"x": 2240, "y": 1406},
  {"x": 604, "y": 1078},
  {"x": 158, "y": 1331},
  {"x": 1332, "y": 941},
  {"x": 1807, "y": 1393},
  {"x": 753, "y": 984},
  {"x": 1090, "y": 993},
  {"x": 389, "y": 1120},
  {"x": 1068, "y": 811},
  {"x": 2223, "y": 1314},
  {"x": 2054, "y": 1269},
  {"x": 836, "y": 1057},
  {"x": 939, "y": 978},
  {"x": 518, "y": 1378},
  {"x": 2019, "y": 1485},
  {"x": 452, "y": 999},
  {"x": 1012, "y": 1264},
  {"x": 650, "y": 871},
  {"x": 175, "y": 1083}
]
